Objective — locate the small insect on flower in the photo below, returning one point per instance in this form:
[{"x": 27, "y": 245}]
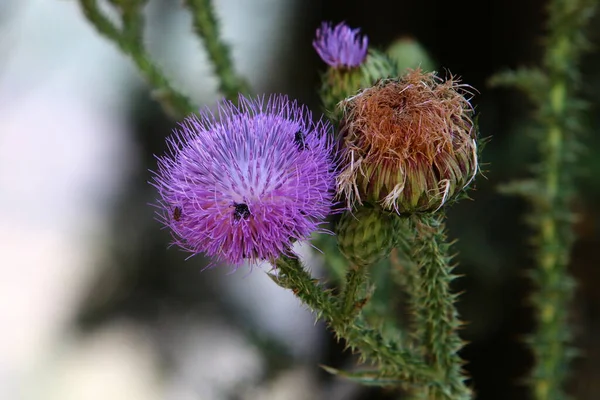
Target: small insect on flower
[
  {"x": 340, "y": 46},
  {"x": 300, "y": 141},
  {"x": 177, "y": 214},
  {"x": 241, "y": 211},
  {"x": 252, "y": 179}
]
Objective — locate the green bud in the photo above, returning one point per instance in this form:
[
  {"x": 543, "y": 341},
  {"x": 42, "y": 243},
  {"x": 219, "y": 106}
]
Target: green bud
[
  {"x": 339, "y": 84},
  {"x": 408, "y": 53},
  {"x": 377, "y": 66},
  {"x": 366, "y": 235}
]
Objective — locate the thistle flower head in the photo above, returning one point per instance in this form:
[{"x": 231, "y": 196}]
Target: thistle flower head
[
  {"x": 409, "y": 143},
  {"x": 340, "y": 46},
  {"x": 246, "y": 183}
]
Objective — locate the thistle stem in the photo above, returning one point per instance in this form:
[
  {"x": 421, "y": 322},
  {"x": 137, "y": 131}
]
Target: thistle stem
[
  {"x": 554, "y": 286},
  {"x": 355, "y": 278},
  {"x": 436, "y": 319},
  {"x": 394, "y": 361},
  {"x": 207, "y": 27},
  {"x": 406, "y": 275},
  {"x": 129, "y": 40},
  {"x": 551, "y": 216}
]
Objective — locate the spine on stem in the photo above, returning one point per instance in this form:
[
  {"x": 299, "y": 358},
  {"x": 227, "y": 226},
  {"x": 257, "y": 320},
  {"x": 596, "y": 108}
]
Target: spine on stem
[
  {"x": 436, "y": 320},
  {"x": 394, "y": 361}
]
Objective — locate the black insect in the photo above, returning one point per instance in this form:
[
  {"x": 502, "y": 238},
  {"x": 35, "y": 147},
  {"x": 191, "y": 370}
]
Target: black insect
[
  {"x": 241, "y": 211},
  {"x": 300, "y": 140},
  {"x": 177, "y": 213}
]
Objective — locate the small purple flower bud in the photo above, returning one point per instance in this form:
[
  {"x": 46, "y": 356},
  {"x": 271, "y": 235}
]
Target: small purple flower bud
[
  {"x": 340, "y": 46},
  {"x": 248, "y": 182}
]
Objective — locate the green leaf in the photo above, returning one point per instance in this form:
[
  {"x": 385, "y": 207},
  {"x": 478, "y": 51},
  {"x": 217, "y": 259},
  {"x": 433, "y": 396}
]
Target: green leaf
[{"x": 367, "y": 378}]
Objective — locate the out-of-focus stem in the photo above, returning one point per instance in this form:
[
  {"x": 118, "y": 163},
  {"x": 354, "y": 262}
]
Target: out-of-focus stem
[
  {"x": 207, "y": 27},
  {"x": 129, "y": 41},
  {"x": 552, "y": 217}
]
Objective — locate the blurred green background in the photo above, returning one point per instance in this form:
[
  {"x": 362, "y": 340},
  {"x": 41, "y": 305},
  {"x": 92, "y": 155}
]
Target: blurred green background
[{"x": 93, "y": 303}]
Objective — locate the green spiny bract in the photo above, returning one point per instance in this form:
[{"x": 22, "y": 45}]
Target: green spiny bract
[
  {"x": 339, "y": 84},
  {"x": 366, "y": 235}
]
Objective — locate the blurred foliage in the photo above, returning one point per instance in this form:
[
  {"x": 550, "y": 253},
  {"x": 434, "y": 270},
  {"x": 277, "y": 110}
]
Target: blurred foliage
[{"x": 551, "y": 188}]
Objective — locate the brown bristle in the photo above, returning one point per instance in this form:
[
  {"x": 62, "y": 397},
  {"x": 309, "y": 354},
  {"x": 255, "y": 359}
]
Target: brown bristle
[
  {"x": 409, "y": 142},
  {"x": 418, "y": 114}
]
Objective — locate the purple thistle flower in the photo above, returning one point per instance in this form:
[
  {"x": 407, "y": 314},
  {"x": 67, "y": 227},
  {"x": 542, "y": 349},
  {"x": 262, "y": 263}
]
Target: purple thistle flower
[
  {"x": 246, "y": 183},
  {"x": 340, "y": 46}
]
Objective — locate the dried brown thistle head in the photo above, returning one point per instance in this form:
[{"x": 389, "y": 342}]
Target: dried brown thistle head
[{"x": 409, "y": 143}]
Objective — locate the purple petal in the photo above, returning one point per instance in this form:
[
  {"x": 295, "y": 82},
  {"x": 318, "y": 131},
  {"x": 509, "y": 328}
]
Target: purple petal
[
  {"x": 246, "y": 183},
  {"x": 340, "y": 46}
]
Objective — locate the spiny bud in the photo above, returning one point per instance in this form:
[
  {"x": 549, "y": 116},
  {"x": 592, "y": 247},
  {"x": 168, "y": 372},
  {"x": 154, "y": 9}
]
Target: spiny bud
[
  {"x": 341, "y": 83},
  {"x": 337, "y": 84},
  {"x": 409, "y": 143},
  {"x": 345, "y": 51},
  {"x": 366, "y": 235}
]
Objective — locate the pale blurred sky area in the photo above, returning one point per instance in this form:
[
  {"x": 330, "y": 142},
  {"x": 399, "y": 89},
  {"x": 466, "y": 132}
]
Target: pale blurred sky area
[{"x": 66, "y": 152}]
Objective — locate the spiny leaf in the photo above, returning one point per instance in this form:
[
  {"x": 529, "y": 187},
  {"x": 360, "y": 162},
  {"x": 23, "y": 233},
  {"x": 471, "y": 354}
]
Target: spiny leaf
[{"x": 367, "y": 378}]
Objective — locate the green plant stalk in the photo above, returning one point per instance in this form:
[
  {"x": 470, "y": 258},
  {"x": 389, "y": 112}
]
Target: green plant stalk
[
  {"x": 133, "y": 19},
  {"x": 393, "y": 360},
  {"x": 129, "y": 41},
  {"x": 551, "y": 188},
  {"x": 551, "y": 217},
  {"x": 406, "y": 275},
  {"x": 385, "y": 297},
  {"x": 351, "y": 303},
  {"x": 436, "y": 321},
  {"x": 207, "y": 27},
  {"x": 554, "y": 286}
]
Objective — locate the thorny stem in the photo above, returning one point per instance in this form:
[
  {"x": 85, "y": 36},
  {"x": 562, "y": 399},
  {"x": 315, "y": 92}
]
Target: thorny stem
[
  {"x": 129, "y": 40},
  {"x": 436, "y": 320},
  {"x": 551, "y": 188},
  {"x": 207, "y": 27},
  {"x": 350, "y": 302},
  {"x": 552, "y": 217},
  {"x": 405, "y": 273},
  {"x": 554, "y": 285},
  {"x": 394, "y": 361}
]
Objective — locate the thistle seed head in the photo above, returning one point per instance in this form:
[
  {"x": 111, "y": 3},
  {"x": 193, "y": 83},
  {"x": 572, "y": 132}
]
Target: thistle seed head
[{"x": 409, "y": 143}]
